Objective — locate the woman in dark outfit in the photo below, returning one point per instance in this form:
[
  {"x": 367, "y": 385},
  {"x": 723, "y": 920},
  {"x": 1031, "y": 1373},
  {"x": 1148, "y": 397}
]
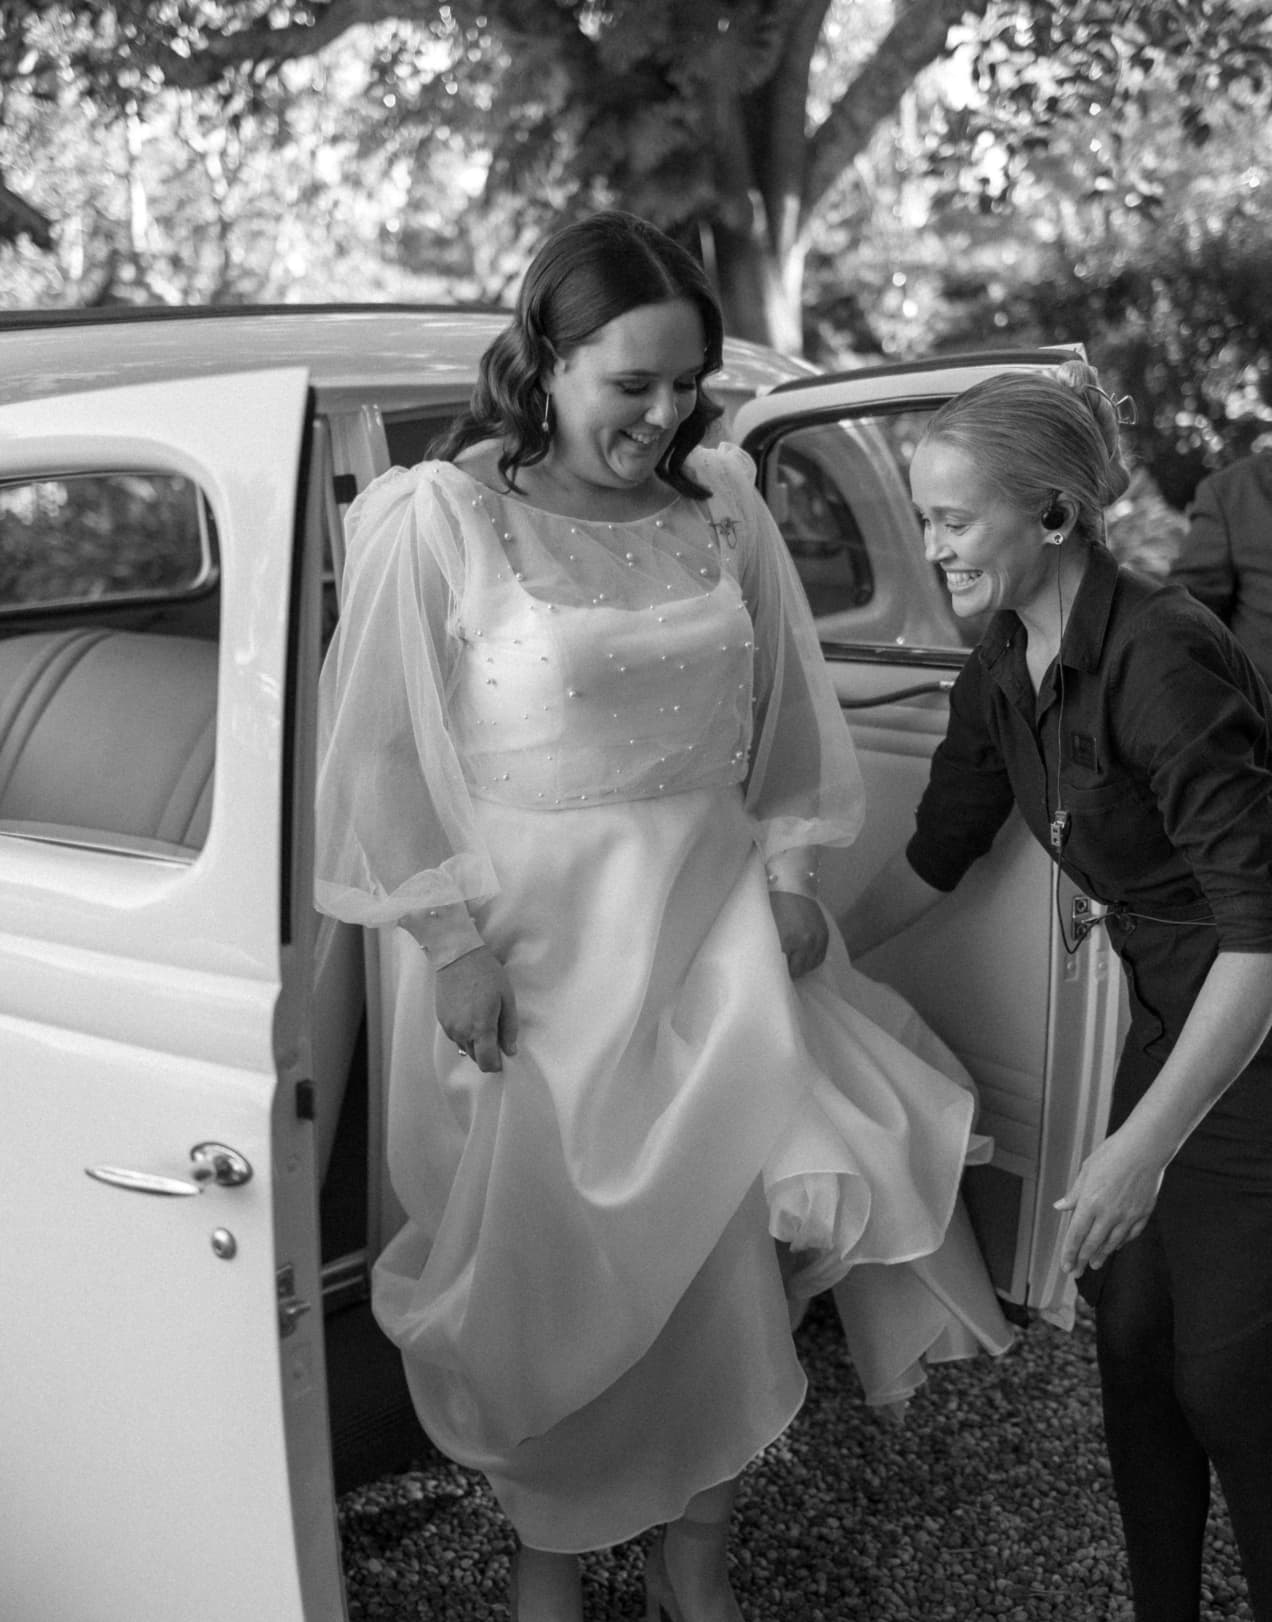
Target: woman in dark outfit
[{"x": 1132, "y": 732}]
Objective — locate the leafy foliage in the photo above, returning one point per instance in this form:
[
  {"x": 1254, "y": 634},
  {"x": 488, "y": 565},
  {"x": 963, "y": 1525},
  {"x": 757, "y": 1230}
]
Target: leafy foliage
[
  {"x": 1039, "y": 69},
  {"x": 883, "y": 176}
]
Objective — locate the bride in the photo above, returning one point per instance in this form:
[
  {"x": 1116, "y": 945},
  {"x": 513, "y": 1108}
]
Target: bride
[{"x": 580, "y": 750}]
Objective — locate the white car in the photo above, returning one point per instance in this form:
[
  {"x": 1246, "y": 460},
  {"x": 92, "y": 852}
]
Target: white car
[{"x": 191, "y": 1108}]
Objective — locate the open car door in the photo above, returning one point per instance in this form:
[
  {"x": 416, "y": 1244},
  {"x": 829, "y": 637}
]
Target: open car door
[
  {"x": 1035, "y": 1024},
  {"x": 162, "y": 1410}
]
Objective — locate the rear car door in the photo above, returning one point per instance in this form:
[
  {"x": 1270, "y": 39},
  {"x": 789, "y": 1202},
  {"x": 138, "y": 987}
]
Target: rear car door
[
  {"x": 990, "y": 968},
  {"x": 162, "y": 1407}
]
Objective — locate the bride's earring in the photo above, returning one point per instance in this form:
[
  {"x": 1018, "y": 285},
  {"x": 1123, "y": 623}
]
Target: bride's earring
[{"x": 546, "y": 424}]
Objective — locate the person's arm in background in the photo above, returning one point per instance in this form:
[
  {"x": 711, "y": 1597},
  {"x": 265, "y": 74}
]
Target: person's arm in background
[{"x": 1205, "y": 564}]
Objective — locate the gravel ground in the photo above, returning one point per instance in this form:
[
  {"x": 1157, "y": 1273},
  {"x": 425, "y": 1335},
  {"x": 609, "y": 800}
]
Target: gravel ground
[{"x": 992, "y": 1501}]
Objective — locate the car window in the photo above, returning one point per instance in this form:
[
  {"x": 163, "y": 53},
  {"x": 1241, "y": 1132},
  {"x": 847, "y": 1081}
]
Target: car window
[
  {"x": 411, "y": 433},
  {"x": 840, "y": 493},
  {"x": 819, "y": 525},
  {"x": 108, "y": 662},
  {"x": 100, "y": 538}
]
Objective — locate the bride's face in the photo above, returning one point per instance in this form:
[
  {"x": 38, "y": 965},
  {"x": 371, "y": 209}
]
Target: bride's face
[{"x": 618, "y": 399}]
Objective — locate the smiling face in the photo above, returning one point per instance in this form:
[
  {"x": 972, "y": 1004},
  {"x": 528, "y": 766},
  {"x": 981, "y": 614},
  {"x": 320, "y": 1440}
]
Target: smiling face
[
  {"x": 618, "y": 399},
  {"x": 991, "y": 552}
]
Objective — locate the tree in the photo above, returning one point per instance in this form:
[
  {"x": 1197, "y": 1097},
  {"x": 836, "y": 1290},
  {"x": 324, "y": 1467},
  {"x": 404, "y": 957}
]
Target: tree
[
  {"x": 733, "y": 123},
  {"x": 210, "y": 196},
  {"x": 1146, "y": 238},
  {"x": 19, "y": 219}
]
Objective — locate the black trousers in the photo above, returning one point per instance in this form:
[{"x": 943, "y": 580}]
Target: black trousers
[{"x": 1184, "y": 1339}]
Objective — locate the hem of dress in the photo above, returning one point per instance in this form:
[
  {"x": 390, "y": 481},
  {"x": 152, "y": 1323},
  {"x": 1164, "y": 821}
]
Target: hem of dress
[
  {"x": 925, "y": 1361},
  {"x": 643, "y": 1524},
  {"x": 823, "y": 1268}
]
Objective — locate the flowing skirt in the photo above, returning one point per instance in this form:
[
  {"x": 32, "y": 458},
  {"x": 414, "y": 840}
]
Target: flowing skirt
[{"x": 587, "y": 1293}]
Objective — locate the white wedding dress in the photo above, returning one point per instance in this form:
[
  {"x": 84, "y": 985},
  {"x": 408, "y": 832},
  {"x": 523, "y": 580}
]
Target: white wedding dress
[{"x": 596, "y": 735}]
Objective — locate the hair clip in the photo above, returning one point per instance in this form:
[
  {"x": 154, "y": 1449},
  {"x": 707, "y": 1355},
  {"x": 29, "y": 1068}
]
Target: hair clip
[{"x": 1124, "y": 411}]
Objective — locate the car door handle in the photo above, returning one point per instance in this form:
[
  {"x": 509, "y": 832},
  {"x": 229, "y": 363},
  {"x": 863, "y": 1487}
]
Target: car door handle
[{"x": 213, "y": 1163}]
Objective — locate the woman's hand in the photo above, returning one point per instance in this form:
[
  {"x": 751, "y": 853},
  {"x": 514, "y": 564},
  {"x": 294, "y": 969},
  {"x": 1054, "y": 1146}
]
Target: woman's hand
[
  {"x": 475, "y": 1007},
  {"x": 802, "y": 930},
  {"x": 1111, "y": 1198},
  {"x": 1114, "y": 1193}
]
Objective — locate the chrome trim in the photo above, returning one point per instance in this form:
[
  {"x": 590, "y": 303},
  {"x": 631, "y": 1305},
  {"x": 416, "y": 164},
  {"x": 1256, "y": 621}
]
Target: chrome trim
[
  {"x": 346, "y": 1280},
  {"x": 143, "y": 1182},
  {"x": 891, "y": 653},
  {"x": 214, "y": 1163}
]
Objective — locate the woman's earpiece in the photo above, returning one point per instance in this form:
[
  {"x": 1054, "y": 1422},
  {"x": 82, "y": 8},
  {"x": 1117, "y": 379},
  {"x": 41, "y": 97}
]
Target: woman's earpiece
[{"x": 1053, "y": 517}]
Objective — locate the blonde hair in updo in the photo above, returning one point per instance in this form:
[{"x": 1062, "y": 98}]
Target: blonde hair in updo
[{"x": 1038, "y": 436}]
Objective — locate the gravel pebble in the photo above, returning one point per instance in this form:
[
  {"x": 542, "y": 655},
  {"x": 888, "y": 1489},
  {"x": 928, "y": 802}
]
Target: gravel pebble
[{"x": 992, "y": 1503}]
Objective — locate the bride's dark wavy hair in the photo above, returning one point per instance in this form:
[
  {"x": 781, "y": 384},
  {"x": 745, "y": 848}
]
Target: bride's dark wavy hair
[{"x": 584, "y": 276}]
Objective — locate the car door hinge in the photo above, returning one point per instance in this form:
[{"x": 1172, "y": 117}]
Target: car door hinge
[{"x": 290, "y": 1306}]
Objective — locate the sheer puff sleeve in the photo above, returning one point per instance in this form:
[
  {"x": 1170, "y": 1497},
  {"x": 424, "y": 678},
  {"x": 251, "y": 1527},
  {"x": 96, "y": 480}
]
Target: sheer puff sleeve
[
  {"x": 395, "y": 833},
  {"x": 804, "y": 784}
]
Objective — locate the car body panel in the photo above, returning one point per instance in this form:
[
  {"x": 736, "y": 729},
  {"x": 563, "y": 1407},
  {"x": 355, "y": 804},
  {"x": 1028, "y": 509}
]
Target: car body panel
[
  {"x": 150, "y": 1441},
  {"x": 395, "y": 355},
  {"x": 166, "y": 1435}
]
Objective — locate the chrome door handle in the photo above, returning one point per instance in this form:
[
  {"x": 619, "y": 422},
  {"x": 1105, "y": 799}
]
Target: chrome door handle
[{"x": 213, "y": 1163}]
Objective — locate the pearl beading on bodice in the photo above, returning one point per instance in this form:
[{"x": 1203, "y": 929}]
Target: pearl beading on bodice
[{"x": 634, "y": 686}]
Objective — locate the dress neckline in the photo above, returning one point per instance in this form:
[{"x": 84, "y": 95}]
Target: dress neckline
[{"x": 515, "y": 500}]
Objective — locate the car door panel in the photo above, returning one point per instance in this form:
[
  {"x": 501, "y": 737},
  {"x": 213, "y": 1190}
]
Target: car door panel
[
  {"x": 988, "y": 967},
  {"x": 161, "y": 1385},
  {"x": 1035, "y": 1025}
]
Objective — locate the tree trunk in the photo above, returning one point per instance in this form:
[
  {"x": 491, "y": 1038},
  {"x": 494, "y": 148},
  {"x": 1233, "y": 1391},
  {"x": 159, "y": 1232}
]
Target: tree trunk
[{"x": 759, "y": 288}]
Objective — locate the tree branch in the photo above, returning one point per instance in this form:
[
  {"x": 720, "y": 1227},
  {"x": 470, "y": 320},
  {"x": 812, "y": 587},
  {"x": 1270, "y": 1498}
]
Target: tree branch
[
  {"x": 20, "y": 218},
  {"x": 914, "y": 41},
  {"x": 263, "y": 43}
]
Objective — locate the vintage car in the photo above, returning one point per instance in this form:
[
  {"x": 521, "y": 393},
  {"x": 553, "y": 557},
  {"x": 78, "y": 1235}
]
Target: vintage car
[{"x": 191, "y": 1103}]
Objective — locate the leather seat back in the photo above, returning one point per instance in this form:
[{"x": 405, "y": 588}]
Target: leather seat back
[
  {"x": 108, "y": 733},
  {"x": 108, "y": 739}
]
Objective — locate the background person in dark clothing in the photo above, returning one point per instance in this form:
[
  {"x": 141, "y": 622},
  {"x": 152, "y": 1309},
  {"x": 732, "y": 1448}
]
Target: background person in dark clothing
[
  {"x": 1132, "y": 732},
  {"x": 1226, "y": 556}
]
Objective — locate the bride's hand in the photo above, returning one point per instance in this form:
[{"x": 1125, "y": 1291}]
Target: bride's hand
[
  {"x": 476, "y": 1008},
  {"x": 802, "y": 930}
]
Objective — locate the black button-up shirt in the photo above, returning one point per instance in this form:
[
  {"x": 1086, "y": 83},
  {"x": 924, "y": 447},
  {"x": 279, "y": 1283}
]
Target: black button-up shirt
[
  {"x": 1154, "y": 732},
  {"x": 1151, "y": 729}
]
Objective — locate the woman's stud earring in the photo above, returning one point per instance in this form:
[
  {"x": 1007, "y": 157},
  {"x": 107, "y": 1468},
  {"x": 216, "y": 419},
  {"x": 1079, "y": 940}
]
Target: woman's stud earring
[{"x": 1057, "y": 539}]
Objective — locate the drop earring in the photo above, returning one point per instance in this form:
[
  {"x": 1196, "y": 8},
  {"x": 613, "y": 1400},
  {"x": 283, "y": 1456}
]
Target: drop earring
[{"x": 546, "y": 424}]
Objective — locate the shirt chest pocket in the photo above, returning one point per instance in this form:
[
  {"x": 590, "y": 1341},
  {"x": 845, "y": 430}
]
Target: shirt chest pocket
[{"x": 1116, "y": 832}]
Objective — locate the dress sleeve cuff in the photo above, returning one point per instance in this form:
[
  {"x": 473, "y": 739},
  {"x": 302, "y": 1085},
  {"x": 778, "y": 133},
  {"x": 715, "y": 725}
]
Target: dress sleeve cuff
[
  {"x": 445, "y": 933},
  {"x": 793, "y": 871}
]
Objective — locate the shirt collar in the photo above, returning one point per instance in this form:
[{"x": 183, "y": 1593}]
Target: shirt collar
[{"x": 1088, "y": 617}]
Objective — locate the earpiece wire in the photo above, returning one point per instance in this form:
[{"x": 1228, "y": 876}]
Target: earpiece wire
[{"x": 1070, "y": 947}]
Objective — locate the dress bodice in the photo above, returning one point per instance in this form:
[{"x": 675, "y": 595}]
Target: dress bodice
[
  {"x": 488, "y": 651},
  {"x": 624, "y": 672}
]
